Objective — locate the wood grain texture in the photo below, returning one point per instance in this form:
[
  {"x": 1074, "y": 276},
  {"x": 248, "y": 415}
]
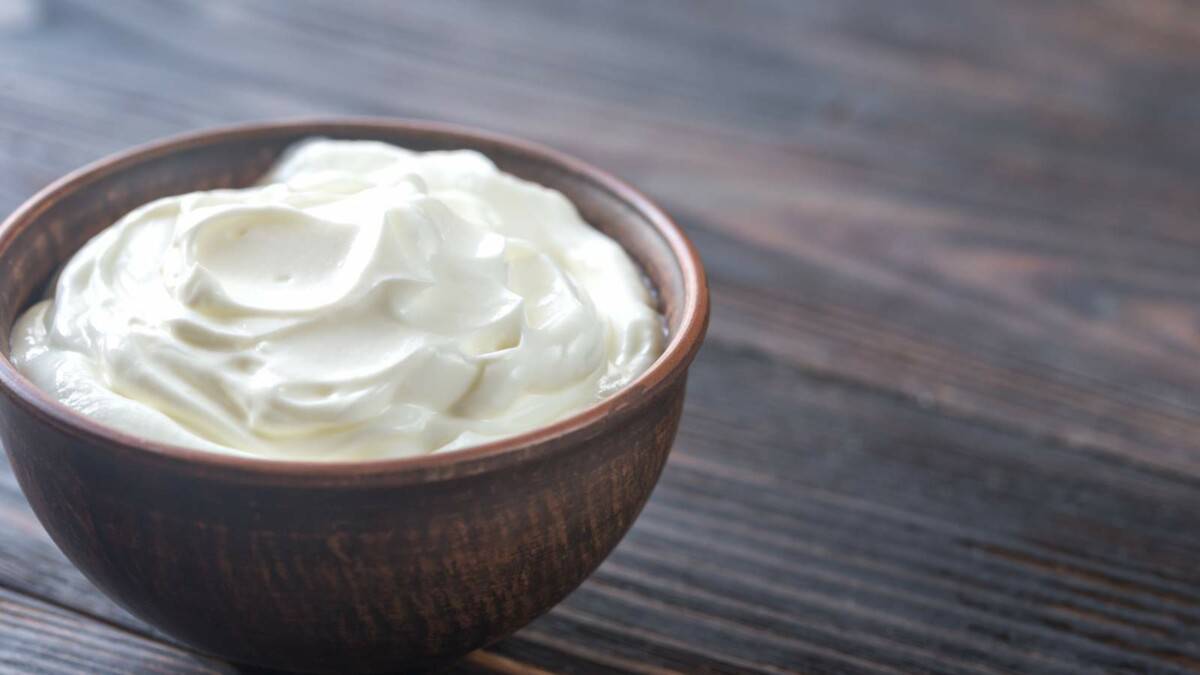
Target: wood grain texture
[{"x": 948, "y": 416}]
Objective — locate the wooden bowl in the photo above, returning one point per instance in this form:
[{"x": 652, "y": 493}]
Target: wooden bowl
[{"x": 365, "y": 566}]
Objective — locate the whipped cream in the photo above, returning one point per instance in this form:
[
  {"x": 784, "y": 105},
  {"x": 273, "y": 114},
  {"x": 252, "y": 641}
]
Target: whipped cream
[{"x": 364, "y": 301}]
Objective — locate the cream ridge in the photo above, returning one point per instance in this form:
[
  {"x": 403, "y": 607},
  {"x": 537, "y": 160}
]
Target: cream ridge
[{"x": 363, "y": 301}]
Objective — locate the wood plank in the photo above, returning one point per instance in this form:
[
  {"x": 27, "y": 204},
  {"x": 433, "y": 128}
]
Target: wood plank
[
  {"x": 1098, "y": 384},
  {"x": 36, "y": 637}
]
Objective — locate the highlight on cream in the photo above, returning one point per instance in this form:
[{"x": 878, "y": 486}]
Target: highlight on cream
[{"x": 363, "y": 301}]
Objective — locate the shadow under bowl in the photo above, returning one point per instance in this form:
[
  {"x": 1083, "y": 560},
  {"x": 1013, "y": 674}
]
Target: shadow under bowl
[{"x": 364, "y": 566}]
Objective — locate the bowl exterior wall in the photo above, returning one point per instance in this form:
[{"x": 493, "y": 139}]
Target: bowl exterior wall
[{"x": 357, "y": 576}]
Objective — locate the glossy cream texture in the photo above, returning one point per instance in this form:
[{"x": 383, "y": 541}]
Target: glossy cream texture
[{"x": 363, "y": 301}]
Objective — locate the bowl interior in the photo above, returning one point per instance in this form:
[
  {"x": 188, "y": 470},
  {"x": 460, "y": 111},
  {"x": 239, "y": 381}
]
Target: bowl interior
[{"x": 43, "y": 236}]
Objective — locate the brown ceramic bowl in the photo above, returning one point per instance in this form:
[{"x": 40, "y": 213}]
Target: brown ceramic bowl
[{"x": 365, "y": 566}]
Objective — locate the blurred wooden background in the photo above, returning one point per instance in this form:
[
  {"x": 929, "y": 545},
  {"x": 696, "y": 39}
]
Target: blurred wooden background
[{"x": 948, "y": 415}]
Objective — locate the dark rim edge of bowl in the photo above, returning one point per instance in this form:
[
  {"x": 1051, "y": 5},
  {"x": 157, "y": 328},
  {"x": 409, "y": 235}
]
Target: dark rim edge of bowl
[{"x": 677, "y": 356}]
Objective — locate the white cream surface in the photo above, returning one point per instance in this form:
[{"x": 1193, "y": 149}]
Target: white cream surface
[{"x": 364, "y": 301}]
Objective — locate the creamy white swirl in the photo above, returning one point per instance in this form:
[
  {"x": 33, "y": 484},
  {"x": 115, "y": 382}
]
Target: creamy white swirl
[{"x": 364, "y": 301}]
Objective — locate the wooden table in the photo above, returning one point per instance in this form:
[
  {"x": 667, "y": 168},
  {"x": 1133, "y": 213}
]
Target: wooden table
[{"x": 948, "y": 414}]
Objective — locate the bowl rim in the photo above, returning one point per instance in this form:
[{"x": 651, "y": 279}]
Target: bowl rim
[{"x": 680, "y": 350}]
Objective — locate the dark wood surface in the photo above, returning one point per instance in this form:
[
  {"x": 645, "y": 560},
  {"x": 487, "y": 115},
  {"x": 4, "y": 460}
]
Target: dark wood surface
[{"x": 948, "y": 414}]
